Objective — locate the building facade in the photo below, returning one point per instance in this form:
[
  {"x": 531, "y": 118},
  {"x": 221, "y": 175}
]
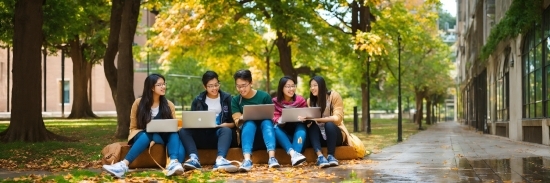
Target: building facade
[
  {"x": 507, "y": 94},
  {"x": 57, "y": 87}
]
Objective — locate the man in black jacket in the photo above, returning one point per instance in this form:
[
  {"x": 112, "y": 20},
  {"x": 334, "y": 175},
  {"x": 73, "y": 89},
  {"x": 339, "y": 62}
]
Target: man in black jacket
[{"x": 212, "y": 99}]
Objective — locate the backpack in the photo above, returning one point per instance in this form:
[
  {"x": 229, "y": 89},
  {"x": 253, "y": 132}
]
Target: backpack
[
  {"x": 111, "y": 153},
  {"x": 357, "y": 144}
]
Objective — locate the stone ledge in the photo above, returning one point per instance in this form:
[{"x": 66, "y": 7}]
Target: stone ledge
[{"x": 208, "y": 156}]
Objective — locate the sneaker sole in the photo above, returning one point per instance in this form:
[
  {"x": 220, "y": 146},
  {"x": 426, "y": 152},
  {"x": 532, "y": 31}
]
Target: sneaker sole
[
  {"x": 241, "y": 169},
  {"x": 300, "y": 161},
  {"x": 274, "y": 166},
  {"x": 113, "y": 174},
  {"x": 324, "y": 165},
  {"x": 227, "y": 169},
  {"x": 333, "y": 164},
  {"x": 177, "y": 172},
  {"x": 189, "y": 167}
]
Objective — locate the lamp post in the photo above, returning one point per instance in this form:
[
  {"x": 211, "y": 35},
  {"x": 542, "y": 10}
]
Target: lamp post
[
  {"x": 368, "y": 96},
  {"x": 399, "y": 115},
  {"x": 63, "y": 81},
  {"x": 8, "y": 88}
]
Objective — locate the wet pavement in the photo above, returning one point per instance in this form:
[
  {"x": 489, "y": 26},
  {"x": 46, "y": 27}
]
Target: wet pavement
[
  {"x": 445, "y": 152},
  {"x": 450, "y": 152}
]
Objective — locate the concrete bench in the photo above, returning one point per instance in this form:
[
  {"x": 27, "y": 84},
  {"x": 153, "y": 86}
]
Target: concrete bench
[{"x": 208, "y": 156}]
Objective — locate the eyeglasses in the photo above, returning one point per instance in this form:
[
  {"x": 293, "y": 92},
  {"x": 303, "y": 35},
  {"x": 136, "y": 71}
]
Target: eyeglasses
[
  {"x": 160, "y": 84},
  {"x": 290, "y": 86},
  {"x": 242, "y": 86},
  {"x": 217, "y": 85}
]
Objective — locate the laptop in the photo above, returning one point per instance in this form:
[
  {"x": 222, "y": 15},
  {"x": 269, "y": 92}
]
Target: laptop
[
  {"x": 162, "y": 125},
  {"x": 291, "y": 114},
  {"x": 198, "y": 119},
  {"x": 258, "y": 112}
]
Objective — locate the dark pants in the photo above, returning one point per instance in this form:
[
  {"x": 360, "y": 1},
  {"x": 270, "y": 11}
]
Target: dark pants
[
  {"x": 334, "y": 137},
  {"x": 193, "y": 139}
]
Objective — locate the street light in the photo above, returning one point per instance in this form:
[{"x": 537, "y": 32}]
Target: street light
[
  {"x": 368, "y": 96},
  {"x": 63, "y": 80},
  {"x": 399, "y": 115},
  {"x": 8, "y": 80}
]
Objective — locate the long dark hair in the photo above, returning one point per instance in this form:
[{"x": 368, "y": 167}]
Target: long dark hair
[
  {"x": 144, "y": 108},
  {"x": 321, "y": 99},
  {"x": 282, "y": 83}
]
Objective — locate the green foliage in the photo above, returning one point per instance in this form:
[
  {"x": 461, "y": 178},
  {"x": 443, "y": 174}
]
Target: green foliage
[
  {"x": 520, "y": 17},
  {"x": 446, "y": 17},
  {"x": 6, "y": 21},
  {"x": 182, "y": 89}
]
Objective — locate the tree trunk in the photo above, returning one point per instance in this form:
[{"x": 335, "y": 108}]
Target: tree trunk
[
  {"x": 418, "y": 117},
  {"x": 26, "y": 123},
  {"x": 81, "y": 105},
  {"x": 285, "y": 56},
  {"x": 429, "y": 111},
  {"x": 112, "y": 47},
  {"x": 125, "y": 67}
]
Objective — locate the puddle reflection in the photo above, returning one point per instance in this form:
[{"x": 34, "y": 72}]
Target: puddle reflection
[{"x": 531, "y": 169}]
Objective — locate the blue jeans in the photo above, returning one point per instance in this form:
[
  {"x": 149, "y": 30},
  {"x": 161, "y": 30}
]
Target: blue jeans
[
  {"x": 294, "y": 131},
  {"x": 204, "y": 139},
  {"x": 142, "y": 139},
  {"x": 248, "y": 134}
]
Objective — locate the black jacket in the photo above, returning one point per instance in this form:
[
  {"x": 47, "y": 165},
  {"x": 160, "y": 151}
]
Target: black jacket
[{"x": 199, "y": 104}]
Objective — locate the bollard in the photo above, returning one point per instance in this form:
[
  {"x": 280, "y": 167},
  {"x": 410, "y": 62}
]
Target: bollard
[{"x": 355, "y": 118}]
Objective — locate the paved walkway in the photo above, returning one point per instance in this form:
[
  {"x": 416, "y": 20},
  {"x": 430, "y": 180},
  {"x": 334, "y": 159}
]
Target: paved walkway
[{"x": 450, "y": 152}]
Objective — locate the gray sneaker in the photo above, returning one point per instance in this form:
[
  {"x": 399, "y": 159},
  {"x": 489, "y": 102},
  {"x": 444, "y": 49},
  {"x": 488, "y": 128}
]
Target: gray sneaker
[
  {"x": 224, "y": 165},
  {"x": 297, "y": 159},
  {"x": 174, "y": 168},
  {"x": 117, "y": 170},
  {"x": 273, "y": 163}
]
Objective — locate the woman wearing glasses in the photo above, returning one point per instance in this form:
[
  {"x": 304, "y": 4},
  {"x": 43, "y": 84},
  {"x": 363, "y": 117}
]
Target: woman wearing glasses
[
  {"x": 329, "y": 129},
  {"x": 211, "y": 99},
  {"x": 249, "y": 96},
  {"x": 151, "y": 105},
  {"x": 291, "y": 136}
]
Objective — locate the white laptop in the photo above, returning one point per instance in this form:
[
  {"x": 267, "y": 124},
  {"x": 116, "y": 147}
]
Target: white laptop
[
  {"x": 198, "y": 119},
  {"x": 258, "y": 112},
  {"x": 291, "y": 114},
  {"x": 162, "y": 125}
]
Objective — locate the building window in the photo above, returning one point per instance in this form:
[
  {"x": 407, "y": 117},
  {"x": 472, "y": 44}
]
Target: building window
[
  {"x": 1, "y": 70},
  {"x": 65, "y": 92},
  {"x": 502, "y": 88},
  {"x": 536, "y": 70}
]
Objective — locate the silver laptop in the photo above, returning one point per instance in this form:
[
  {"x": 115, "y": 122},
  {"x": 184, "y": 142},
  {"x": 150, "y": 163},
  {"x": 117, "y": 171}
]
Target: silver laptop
[
  {"x": 162, "y": 125},
  {"x": 198, "y": 119},
  {"x": 258, "y": 112},
  {"x": 291, "y": 114}
]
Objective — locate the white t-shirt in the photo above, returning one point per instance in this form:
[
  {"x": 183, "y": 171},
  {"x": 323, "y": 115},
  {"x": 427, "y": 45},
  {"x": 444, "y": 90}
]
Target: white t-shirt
[
  {"x": 214, "y": 104},
  {"x": 154, "y": 112}
]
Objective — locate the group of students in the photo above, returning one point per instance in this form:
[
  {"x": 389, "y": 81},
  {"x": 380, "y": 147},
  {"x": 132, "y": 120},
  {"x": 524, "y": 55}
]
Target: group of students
[{"x": 326, "y": 130}]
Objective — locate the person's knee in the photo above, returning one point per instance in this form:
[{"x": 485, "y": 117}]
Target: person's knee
[
  {"x": 224, "y": 131},
  {"x": 183, "y": 132},
  {"x": 330, "y": 125}
]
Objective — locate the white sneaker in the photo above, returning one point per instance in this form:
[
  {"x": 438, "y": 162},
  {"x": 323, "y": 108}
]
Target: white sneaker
[
  {"x": 297, "y": 158},
  {"x": 117, "y": 170},
  {"x": 174, "y": 167}
]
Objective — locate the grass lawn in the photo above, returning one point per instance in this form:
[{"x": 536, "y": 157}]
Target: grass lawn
[
  {"x": 79, "y": 157},
  {"x": 384, "y": 133}
]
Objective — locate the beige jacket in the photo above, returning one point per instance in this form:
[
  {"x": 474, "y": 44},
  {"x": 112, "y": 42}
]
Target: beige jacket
[
  {"x": 133, "y": 117},
  {"x": 337, "y": 111}
]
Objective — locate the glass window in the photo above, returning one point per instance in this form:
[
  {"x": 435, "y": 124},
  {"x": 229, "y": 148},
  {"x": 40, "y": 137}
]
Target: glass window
[{"x": 65, "y": 92}]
